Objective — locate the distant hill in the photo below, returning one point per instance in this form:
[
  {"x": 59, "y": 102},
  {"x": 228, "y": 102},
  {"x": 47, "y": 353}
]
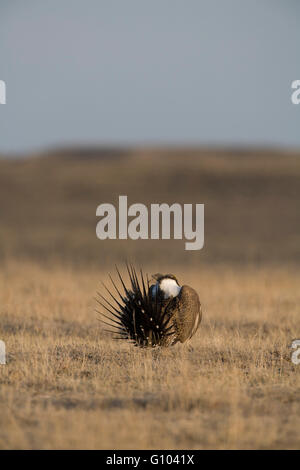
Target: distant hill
[{"x": 48, "y": 203}]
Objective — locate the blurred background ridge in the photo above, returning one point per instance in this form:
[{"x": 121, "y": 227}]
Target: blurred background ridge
[{"x": 48, "y": 205}]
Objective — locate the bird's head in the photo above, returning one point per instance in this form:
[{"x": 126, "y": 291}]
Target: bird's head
[{"x": 166, "y": 284}]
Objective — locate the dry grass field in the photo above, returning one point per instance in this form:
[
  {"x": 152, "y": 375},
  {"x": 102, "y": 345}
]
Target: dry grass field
[{"x": 67, "y": 384}]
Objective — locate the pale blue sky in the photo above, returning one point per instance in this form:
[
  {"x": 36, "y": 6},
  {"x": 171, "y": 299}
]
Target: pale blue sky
[{"x": 149, "y": 71}]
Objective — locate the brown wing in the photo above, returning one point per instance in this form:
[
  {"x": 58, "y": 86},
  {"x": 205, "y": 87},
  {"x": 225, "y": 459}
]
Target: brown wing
[{"x": 185, "y": 311}]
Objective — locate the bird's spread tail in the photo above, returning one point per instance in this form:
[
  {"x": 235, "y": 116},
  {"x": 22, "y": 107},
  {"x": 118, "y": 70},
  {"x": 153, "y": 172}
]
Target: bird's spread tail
[{"x": 133, "y": 313}]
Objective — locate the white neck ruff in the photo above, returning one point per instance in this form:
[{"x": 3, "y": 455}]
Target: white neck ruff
[{"x": 170, "y": 288}]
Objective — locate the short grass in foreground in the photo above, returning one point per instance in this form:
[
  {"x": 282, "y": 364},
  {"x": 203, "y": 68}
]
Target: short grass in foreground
[{"x": 67, "y": 384}]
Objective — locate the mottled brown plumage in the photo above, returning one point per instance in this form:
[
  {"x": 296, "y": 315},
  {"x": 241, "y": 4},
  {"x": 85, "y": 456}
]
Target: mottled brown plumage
[
  {"x": 149, "y": 315},
  {"x": 185, "y": 312}
]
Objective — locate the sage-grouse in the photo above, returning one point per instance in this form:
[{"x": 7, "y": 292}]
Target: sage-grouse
[{"x": 148, "y": 314}]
